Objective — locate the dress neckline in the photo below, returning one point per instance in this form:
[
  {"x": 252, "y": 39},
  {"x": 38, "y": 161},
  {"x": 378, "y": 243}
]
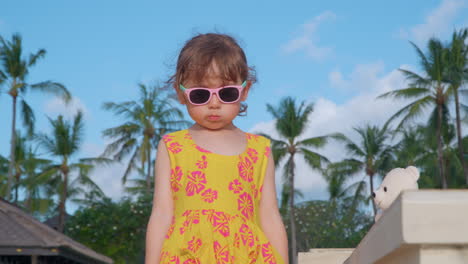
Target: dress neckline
[{"x": 203, "y": 150}]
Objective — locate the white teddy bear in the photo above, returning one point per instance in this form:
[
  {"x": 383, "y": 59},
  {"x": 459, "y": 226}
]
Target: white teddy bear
[{"x": 393, "y": 184}]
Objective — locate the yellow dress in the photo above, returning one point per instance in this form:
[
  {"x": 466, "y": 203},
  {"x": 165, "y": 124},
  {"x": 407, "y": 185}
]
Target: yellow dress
[{"x": 216, "y": 201}]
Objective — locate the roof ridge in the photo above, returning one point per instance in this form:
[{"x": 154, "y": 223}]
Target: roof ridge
[{"x": 49, "y": 236}]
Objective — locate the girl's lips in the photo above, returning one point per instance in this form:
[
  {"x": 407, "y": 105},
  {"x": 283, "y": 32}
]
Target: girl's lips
[{"x": 213, "y": 117}]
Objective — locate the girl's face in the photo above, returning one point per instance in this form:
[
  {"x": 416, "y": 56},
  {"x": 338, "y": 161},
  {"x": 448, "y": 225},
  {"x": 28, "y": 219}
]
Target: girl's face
[{"x": 214, "y": 114}]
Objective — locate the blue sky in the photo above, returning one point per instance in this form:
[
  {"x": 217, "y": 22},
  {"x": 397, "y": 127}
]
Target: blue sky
[{"x": 338, "y": 55}]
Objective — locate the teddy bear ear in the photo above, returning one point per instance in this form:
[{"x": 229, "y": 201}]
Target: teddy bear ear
[{"x": 413, "y": 171}]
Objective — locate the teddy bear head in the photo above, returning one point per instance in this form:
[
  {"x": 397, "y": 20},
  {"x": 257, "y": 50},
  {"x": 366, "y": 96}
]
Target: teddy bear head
[{"x": 393, "y": 184}]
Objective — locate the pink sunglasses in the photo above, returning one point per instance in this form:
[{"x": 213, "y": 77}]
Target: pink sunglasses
[{"x": 227, "y": 94}]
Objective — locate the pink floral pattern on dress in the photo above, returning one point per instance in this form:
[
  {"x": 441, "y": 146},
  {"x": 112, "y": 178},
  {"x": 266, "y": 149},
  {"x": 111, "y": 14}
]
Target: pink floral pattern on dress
[
  {"x": 194, "y": 244},
  {"x": 236, "y": 240},
  {"x": 254, "y": 254},
  {"x": 196, "y": 182},
  {"x": 267, "y": 151},
  {"x": 163, "y": 256},
  {"x": 235, "y": 186},
  {"x": 203, "y": 163},
  {"x": 171, "y": 228},
  {"x": 254, "y": 190},
  {"x": 221, "y": 223},
  {"x": 174, "y": 259},
  {"x": 247, "y": 236},
  {"x": 253, "y": 154},
  {"x": 252, "y": 136},
  {"x": 245, "y": 168},
  {"x": 209, "y": 213},
  {"x": 187, "y": 136},
  {"x": 176, "y": 176},
  {"x": 192, "y": 261},
  {"x": 201, "y": 149},
  {"x": 209, "y": 195},
  {"x": 175, "y": 147},
  {"x": 245, "y": 205},
  {"x": 191, "y": 217},
  {"x": 167, "y": 138},
  {"x": 267, "y": 253},
  {"x": 221, "y": 253}
]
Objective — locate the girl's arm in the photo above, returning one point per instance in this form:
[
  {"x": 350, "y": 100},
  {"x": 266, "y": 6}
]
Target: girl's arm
[
  {"x": 270, "y": 218},
  {"x": 162, "y": 211}
]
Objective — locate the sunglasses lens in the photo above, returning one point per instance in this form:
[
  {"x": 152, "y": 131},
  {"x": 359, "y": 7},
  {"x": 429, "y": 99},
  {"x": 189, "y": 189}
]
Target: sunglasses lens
[
  {"x": 229, "y": 94},
  {"x": 199, "y": 96}
]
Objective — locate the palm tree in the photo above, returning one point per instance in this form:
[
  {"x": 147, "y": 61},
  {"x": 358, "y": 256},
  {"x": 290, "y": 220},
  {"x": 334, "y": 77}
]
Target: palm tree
[
  {"x": 138, "y": 186},
  {"x": 35, "y": 201},
  {"x": 372, "y": 154},
  {"x": 65, "y": 142},
  {"x": 20, "y": 159},
  {"x": 290, "y": 123},
  {"x": 14, "y": 72},
  {"x": 457, "y": 76},
  {"x": 411, "y": 149},
  {"x": 336, "y": 175},
  {"x": 430, "y": 90},
  {"x": 452, "y": 162},
  {"x": 148, "y": 119},
  {"x": 284, "y": 198},
  {"x": 3, "y": 175}
]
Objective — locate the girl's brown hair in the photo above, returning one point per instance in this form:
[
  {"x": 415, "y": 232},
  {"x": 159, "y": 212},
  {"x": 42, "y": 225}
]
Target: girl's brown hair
[{"x": 200, "y": 52}]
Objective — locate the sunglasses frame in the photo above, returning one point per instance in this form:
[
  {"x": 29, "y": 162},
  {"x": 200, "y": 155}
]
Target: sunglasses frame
[{"x": 213, "y": 91}]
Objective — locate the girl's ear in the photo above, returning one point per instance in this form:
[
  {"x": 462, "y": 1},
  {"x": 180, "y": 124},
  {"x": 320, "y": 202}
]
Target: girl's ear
[
  {"x": 245, "y": 91},
  {"x": 180, "y": 95},
  {"x": 182, "y": 98}
]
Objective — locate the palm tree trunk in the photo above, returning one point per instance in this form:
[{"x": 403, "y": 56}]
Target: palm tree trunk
[
  {"x": 371, "y": 183},
  {"x": 12, "y": 147},
  {"x": 459, "y": 136},
  {"x": 292, "y": 211},
  {"x": 63, "y": 199},
  {"x": 148, "y": 177},
  {"x": 17, "y": 177},
  {"x": 439, "y": 147}
]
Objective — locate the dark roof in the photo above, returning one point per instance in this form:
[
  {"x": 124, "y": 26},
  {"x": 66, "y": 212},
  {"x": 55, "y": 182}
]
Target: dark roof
[
  {"x": 54, "y": 221},
  {"x": 21, "y": 230}
]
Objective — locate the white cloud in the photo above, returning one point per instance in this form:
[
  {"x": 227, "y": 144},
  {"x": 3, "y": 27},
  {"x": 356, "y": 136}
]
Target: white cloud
[
  {"x": 363, "y": 77},
  {"x": 108, "y": 178},
  {"x": 329, "y": 117},
  {"x": 306, "y": 41},
  {"x": 438, "y": 22},
  {"x": 57, "y": 106}
]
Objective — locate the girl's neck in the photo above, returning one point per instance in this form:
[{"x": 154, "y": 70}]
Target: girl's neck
[{"x": 225, "y": 130}]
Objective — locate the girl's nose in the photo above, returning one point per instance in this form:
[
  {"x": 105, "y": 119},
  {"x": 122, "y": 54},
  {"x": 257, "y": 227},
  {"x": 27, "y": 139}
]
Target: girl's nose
[{"x": 214, "y": 101}]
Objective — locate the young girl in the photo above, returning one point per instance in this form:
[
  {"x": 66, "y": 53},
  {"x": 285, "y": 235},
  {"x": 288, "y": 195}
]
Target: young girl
[{"x": 214, "y": 196}]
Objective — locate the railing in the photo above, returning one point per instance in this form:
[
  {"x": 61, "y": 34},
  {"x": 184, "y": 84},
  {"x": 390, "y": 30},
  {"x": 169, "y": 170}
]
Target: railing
[
  {"x": 420, "y": 227},
  {"x": 425, "y": 226},
  {"x": 325, "y": 255}
]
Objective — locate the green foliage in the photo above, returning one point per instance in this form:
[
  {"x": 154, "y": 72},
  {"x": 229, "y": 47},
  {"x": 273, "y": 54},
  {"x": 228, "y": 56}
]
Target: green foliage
[
  {"x": 115, "y": 229},
  {"x": 323, "y": 224},
  {"x": 3, "y": 175}
]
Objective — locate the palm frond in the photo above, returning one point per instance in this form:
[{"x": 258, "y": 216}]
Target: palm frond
[
  {"x": 28, "y": 117},
  {"x": 314, "y": 159},
  {"x": 54, "y": 88},
  {"x": 412, "y": 111},
  {"x": 34, "y": 57}
]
